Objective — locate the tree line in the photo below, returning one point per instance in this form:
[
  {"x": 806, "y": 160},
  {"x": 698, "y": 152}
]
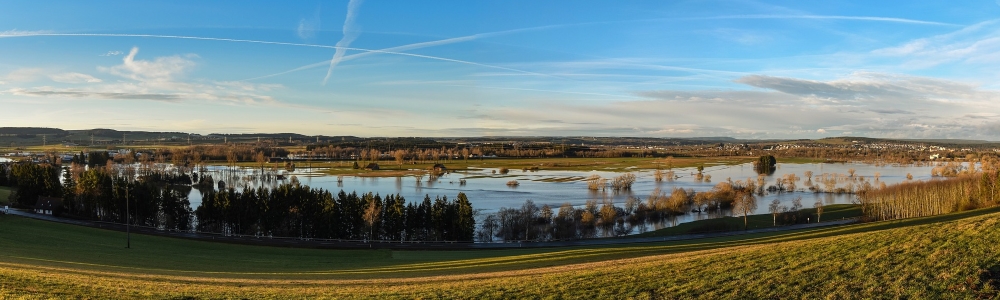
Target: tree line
[
  {"x": 300, "y": 211},
  {"x": 159, "y": 198},
  {"x": 967, "y": 188}
]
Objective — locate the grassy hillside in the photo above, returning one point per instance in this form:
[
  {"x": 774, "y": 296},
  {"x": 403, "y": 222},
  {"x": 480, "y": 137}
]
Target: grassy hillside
[{"x": 951, "y": 256}]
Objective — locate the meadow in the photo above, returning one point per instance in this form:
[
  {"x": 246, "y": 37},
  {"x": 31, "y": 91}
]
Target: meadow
[{"x": 949, "y": 256}]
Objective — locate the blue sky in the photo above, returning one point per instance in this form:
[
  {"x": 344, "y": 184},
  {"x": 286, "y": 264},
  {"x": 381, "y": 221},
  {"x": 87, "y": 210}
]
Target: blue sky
[{"x": 747, "y": 69}]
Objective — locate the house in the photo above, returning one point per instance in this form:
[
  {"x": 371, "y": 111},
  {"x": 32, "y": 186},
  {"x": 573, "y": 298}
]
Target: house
[
  {"x": 371, "y": 167},
  {"x": 48, "y": 205}
]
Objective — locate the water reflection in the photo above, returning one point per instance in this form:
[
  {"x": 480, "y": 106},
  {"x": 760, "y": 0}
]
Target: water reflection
[{"x": 488, "y": 189}]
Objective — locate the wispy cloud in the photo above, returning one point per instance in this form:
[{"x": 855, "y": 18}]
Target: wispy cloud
[
  {"x": 64, "y": 93},
  {"x": 157, "y": 79},
  {"x": 112, "y": 53},
  {"x": 284, "y": 44},
  {"x": 977, "y": 43},
  {"x": 159, "y": 69},
  {"x": 73, "y": 77},
  {"x": 420, "y": 45},
  {"x": 827, "y": 17},
  {"x": 351, "y": 32},
  {"x": 25, "y": 75},
  {"x": 308, "y": 26},
  {"x": 871, "y": 104}
]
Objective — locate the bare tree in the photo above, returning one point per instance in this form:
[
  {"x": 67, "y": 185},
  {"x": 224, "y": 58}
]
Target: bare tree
[
  {"x": 489, "y": 229},
  {"x": 372, "y": 217},
  {"x": 400, "y": 155},
  {"x": 775, "y": 209},
  {"x": 745, "y": 204},
  {"x": 819, "y": 209}
]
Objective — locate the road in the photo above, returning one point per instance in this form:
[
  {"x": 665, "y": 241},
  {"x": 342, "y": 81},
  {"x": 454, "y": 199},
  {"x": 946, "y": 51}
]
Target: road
[{"x": 354, "y": 244}]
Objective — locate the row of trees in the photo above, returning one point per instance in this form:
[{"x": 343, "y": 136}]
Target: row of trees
[
  {"x": 531, "y": 222},
  {"x": 32, "y": 181},
  {"x": 300, "y": 211},
  {"x": 967, "y": 188},
  {"x": 158, "y": 198},
  {"x": 927, "y": 198}
]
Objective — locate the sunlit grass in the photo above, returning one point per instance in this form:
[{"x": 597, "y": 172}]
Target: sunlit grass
[{"x": 935, "y": 257}]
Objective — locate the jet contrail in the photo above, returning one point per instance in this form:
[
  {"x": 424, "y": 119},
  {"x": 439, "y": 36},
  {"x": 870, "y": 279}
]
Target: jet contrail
[
  {"x": 823, "y": 17},
  {"x": 413, "y": 46},
  {"x": 350, "y": 33},
  {"x": 489, "y": 34},
  {"x": 272, "y": 43}
]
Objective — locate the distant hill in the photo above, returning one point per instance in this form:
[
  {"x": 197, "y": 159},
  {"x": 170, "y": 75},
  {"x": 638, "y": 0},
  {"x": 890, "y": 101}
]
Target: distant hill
[{"x": 32, "y": 130}]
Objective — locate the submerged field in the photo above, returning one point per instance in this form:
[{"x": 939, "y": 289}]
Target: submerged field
[
  {"x": 393, "y": 169},
  {"x": 951, "y": 256}
]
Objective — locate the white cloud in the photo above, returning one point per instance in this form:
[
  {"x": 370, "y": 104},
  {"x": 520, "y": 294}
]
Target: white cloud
[
  {"x": 74, "y": 78},
  {"x": 112, "y": 53},
  {"x": 159, "y": 69},
  {"x": 25, "y": 75},
  {"x": 870, "y": 104},
  {"x": 156, "y": 80},
  {"x": 976, "y": 43}
]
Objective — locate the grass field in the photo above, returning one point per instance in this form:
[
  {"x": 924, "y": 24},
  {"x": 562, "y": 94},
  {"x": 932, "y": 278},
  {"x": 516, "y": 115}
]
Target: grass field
[
  {"x": 950, "y": 256},
  {"x": 4, "y": 195}
]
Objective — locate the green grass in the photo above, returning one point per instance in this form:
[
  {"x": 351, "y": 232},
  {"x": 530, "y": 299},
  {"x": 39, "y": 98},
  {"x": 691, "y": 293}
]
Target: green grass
[
  {"x": 5, "y": 195},
  {"x": 935, "y": 257}
]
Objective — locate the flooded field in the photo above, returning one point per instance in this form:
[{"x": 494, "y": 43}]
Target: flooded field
[{"x": 488, "y": 189}]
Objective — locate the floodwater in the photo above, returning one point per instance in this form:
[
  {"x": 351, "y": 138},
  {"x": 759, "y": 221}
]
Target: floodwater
[{"x": 488, "y": 192}]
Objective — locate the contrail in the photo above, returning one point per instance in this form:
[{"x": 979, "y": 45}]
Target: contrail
[
  {"x": 821, "y": 17},
  {"x": 411, "y": 47},
  {"x": 484, "y": 35},
  {"x": 350, "y": 33},
  {"x": 272, "y": 43}
]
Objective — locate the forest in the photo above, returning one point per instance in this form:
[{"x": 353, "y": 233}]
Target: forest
[{"x": 154, "y": 196}]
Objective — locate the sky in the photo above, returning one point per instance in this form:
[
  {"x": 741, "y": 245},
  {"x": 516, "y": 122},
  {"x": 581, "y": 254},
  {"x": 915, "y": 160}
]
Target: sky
[{"x": 380, "y": 68}]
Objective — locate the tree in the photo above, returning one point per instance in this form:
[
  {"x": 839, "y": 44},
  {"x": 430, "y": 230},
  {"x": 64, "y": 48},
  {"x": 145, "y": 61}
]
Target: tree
[
  {"x": 261, "y": 160},
  {"x": 745, "y": 204},
  {"x": 775, "y": 209},
  {"x": 371, "y": 216},
  {"x": 489, "y": 229},
  {"x": 819, "y": 209},
  {"x": 765, "y": 164},
  {"x": 466, "y": 222},
  {"x": 400, "y": 155}
]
